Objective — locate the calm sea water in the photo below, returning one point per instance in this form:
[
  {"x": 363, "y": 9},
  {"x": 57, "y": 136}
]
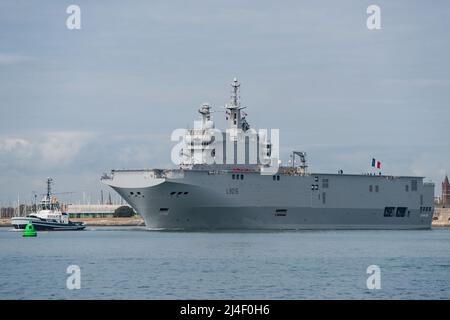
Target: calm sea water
[{"x": 125, "y": 263}]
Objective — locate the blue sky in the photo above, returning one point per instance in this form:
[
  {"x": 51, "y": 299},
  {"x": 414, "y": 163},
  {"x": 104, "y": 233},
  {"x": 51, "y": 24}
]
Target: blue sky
[{"x": 76, "y": 103}]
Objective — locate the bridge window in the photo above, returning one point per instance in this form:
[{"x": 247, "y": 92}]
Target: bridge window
[
  {"x": 242, "y": 177},
  {"x": 370, "y": 188},
  {"x": 324, "y": 183},
  {"x": 280, "y": 212},
  {"x": 401, "y": 211},
  {"x": 233, "y": 176},
  {"x": 413, "y": 185},
  {"x": 389, "y": 211},
  {"x": 406, "y": 188},
  {"x": 425, "y": 209},
  {"x": 376, "y": 188}
]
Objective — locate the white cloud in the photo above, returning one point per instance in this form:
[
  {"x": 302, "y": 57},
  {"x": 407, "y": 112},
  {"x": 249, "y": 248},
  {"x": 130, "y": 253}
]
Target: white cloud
[
  {"x": 17, "y": 146},
  {"x": 10, "y": 59},
  {"x": 55, "y": 149},
  {"x": 62, "y": 147}
]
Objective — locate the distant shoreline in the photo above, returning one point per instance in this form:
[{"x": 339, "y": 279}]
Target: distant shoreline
[
  {"x": 138, "y": 221},
  {"x": 107, "y": 222}
]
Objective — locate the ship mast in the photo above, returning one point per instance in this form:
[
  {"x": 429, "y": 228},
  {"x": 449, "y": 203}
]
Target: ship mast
[
  {"x": 234, "y": 115},
  {"x": 235, "y": 94}
]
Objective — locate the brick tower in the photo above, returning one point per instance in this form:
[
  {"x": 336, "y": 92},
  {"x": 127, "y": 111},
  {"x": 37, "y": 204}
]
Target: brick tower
[{"x": 445, "y": 192}]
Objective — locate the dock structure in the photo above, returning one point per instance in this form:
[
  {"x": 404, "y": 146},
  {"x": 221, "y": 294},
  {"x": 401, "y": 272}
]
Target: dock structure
[
  {"x": 441, "y": 217},
  {"x": 92, "y": 210}
]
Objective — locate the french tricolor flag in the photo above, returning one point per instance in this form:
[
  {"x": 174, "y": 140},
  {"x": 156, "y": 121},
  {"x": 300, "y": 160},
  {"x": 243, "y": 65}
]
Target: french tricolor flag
[{"x": 376, "y": 163}]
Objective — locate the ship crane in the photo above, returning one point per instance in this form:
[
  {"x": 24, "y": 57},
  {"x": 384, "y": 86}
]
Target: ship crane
[{"x": 302, "y": 157}]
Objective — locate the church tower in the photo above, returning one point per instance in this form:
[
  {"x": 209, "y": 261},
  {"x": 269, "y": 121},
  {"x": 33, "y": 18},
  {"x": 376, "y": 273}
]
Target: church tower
[{"x": 445, "y": 192}]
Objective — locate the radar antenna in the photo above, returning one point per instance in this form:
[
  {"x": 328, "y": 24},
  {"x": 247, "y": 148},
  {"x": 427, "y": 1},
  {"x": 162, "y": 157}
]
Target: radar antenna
[
  {"x": 205, "y": 111},
  {"x": 235, "y": 98}
]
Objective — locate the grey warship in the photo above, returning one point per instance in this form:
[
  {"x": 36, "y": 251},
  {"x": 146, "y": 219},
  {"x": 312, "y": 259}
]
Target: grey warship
[{"x": 223, "y": 182}]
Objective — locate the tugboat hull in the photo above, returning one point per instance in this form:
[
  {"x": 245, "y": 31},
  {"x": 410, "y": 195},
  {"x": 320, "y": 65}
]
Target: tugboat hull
[{"x": 20, "y": 223}]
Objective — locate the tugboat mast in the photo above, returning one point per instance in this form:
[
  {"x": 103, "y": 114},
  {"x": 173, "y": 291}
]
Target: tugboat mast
[{"x": 49, "y": 187}]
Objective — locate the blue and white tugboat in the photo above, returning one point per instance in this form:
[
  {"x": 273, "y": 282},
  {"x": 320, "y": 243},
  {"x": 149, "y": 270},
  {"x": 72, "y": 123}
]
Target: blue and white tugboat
[{"x": 48, "y": 215}]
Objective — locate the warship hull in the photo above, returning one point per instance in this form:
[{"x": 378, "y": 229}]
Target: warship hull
[{"x": 192, "y": 199}]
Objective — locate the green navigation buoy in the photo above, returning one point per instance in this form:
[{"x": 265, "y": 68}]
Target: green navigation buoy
[{"x": 29, "y": 231}]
